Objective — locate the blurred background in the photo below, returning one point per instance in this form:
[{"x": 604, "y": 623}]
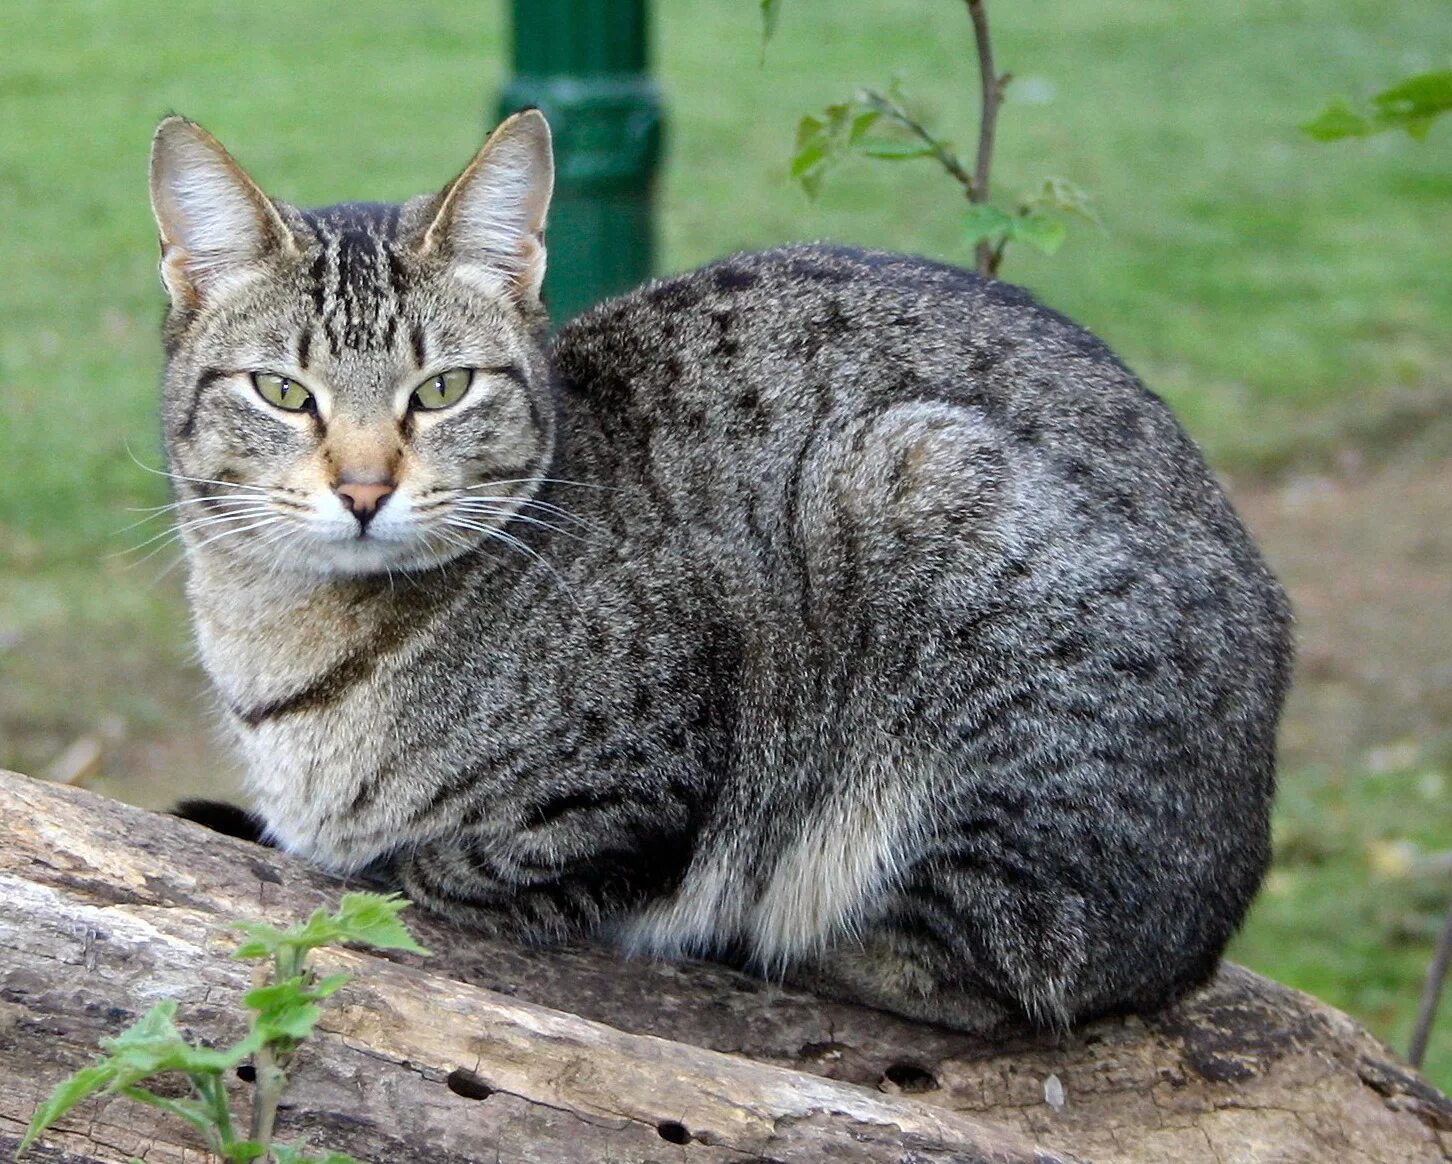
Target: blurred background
[{"x": 1291, "y": 299}]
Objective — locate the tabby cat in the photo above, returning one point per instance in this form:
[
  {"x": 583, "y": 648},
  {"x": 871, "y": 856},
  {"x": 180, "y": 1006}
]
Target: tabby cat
[{"x": 832, "y": 611}]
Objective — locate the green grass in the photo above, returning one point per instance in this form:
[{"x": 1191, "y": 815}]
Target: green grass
[
  {"x": 1352, "y": 907},
  {"x": 1282, "y": 294}
]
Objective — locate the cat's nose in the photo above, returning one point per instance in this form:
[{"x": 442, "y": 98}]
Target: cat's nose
[{"x": 363, "y": 499}]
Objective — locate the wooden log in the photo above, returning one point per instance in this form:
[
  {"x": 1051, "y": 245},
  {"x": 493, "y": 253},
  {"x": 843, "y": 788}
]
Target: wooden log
[{"x": 487, "y": 1052}]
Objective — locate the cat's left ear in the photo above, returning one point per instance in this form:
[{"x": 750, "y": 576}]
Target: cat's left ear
[{"x": 491, "y": 219}]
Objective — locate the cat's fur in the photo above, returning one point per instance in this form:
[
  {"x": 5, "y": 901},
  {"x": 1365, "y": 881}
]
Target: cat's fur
[{"x": 837, "y": 611}]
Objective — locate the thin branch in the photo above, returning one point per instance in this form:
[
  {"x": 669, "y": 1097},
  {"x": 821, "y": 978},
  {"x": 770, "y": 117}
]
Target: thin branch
[
  {"x": 1432, "y": 992},
  {"x": 945, "y": 157},
  {"x": 992, "y": 89}
]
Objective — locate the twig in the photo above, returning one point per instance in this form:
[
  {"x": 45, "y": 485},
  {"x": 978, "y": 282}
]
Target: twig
[
  {"x": 1432, "y": 992},
  {"x": 941, "y": 153},
  {"x": 988, "y": 257}
]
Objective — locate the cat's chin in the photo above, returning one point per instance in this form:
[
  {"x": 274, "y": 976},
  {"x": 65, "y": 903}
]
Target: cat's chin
[
  {"x": 363, "y": 559},
  {"x": 358, "y": 558}
]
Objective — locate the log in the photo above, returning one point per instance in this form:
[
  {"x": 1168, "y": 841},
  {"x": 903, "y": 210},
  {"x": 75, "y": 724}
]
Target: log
[{"x": 488, "y": 1052}]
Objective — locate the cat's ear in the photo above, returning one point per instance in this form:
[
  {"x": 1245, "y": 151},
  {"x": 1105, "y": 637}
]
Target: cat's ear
[
  {"x": 491, "y": 219},
  {"x": 216, "y": 225}
]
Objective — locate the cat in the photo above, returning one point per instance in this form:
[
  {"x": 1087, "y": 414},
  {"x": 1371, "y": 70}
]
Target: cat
[{"x": 835, "y": 612}]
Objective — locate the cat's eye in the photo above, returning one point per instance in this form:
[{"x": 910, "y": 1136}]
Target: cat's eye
[
  {"x": 442, "y": 390},
  {"x": 282, "y": 392}
]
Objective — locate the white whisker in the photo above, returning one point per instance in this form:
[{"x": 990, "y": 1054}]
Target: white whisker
[
  {"x": 545, "y": 506},
  {"x": 226, "y": 533},
  {"x": 489, "y": 511},
  {"x": 154, "y": 512},
  {"x": 515, "y": 543},
  {"x": 196, "y": 523},
  {"x": 167, "y": 473}
]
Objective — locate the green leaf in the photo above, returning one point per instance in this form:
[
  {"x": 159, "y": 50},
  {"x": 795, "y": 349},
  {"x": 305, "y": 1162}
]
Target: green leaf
[
  {"x": 285, "y": 1010},
  {"x": 1411, "y": 105},
  {"x": 365, "y": 919},
  {"x": 242, "y": 1151},
  {"x": 811, "y": 183},
  {"x": 264, "y": 940},
  {"x": 1421, "y": 96},
  {"x": 861, "y": 123},
  {"x": 985, "y": 223},
  {"x": 1039, "y": 231},
  {"x": 371, "y": 919},
  {"x": 1418, "y": 127},
  {"x": 68, "y": 1092},
  {"x": 294, "y": 1023},
  {"x": 1061, "y": 194},
  {"x": 193, "y": 1111},
  {"x": 808, "y": 158},
  {"x": 1338, "y": 120},
  {"x": 330, "y": 985},
  {"x": 809, "y": 128},
  {"x": 153, "y": 1044},
  {"x": 277, "y": 996}
]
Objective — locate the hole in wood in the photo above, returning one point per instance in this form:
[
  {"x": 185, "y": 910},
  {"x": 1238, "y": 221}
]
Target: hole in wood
[
  {"x": 467, "y": 1084},
  {"x": 247, "y": 1073},
  {"x": 673, "y": 1133},
  {"x": 910, "y": 1078}
]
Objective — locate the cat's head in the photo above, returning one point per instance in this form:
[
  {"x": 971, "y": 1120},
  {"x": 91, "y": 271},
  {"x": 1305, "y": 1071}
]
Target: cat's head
[{"x": 360, "y": 389}]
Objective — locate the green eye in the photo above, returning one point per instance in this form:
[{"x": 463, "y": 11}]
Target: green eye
[
  {"x": 442, "y": 391},
  {"x": 282, "y": 392}
]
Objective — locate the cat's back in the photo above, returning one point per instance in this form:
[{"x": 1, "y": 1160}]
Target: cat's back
[
  {"x": 761, "y": 344},
  {"x": 748, "y": 363}
]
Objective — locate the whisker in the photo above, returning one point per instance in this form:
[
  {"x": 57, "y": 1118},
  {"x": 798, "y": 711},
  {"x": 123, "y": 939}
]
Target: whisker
[
  {"x": 210, "y": 499},
  {"x": 153, "y": 512},
  {"x": 486, "y": 511},
  {"x": 185, "y": 525},
  {"x": 544, "y": 506},
  {"x": 515, "y": 543},
  {"x": 540, "y": 481},
  {"x": 174, "y": 538},
  {"x": 226, "y": 533},
  {"x": 167, "y": 473}
]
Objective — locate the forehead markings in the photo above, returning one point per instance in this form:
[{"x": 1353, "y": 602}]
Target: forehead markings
[{"x": 356, "y": 279}]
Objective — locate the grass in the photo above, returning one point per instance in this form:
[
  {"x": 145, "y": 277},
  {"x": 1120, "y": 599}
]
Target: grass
[
  {"x": 1283, "y": 295},
  {"x": 1353, "y": 905}
]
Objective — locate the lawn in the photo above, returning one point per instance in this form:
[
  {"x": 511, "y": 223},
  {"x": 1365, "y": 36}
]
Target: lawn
[{"x": 1288, "y": 298}]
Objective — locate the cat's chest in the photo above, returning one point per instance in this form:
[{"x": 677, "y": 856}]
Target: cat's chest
[{"x": 313, "y": 706}]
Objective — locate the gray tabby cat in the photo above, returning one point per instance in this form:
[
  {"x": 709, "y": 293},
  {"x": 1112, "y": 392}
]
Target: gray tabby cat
[{"x": 832, "y": 611}]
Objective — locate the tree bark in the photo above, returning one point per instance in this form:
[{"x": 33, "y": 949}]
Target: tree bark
[{"x": 486, "y": 1052}]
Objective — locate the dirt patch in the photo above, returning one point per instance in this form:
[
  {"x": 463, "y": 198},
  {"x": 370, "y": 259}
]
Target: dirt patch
[{"x": 1367, "y": 558}]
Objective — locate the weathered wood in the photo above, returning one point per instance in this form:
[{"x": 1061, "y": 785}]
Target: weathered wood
[{"x": 488, "y": 1052}]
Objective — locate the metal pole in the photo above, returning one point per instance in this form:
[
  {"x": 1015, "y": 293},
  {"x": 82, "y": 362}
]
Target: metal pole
[{"x": 583, "y": 63}]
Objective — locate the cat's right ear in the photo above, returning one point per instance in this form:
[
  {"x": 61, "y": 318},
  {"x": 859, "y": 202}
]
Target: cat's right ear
[
  {"x": 490, "y": 220},
  {"x": 216, "y": 225}
]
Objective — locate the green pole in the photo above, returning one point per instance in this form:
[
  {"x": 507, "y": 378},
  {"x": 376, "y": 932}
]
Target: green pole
[{"x": 583, "y": 63}]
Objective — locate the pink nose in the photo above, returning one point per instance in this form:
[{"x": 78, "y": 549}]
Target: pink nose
[{"x": 364, "y": 499}]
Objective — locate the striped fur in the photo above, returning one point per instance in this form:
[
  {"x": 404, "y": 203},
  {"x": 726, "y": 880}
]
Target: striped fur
[{"x": 835, "y": 612}]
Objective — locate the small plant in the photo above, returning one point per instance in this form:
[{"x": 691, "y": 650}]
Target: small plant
[
  {"x": 880, "y": 124},
  {"x": 284, "y": 1013}
]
